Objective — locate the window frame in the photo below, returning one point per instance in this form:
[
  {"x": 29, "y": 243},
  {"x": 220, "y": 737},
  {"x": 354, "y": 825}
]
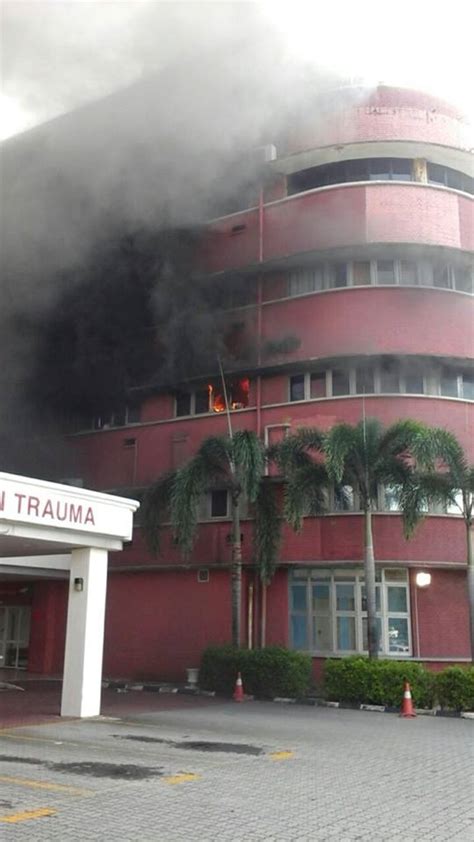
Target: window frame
[{"x": 310, "y": 576}]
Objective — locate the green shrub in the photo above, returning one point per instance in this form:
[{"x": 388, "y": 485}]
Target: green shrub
[
  {"x": 454, "y": 688},
  {"x": 362, "y": 681},
  {"x": 266, "y": 673}
]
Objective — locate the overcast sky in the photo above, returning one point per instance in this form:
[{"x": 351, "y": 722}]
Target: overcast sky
[{"x": 59, "y": 54}]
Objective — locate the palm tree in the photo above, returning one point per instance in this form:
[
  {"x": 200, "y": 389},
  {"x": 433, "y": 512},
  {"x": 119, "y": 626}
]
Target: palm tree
[
  {"x": 360, "y": 457},
  {"x": 236, "y": 463},
  {"x": 448, "y": 479}
]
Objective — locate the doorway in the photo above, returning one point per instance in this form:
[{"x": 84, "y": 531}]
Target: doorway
[{"x": 14, "y": 636}]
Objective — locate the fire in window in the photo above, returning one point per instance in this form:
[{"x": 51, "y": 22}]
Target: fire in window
[{"x": 237, "y": 395}]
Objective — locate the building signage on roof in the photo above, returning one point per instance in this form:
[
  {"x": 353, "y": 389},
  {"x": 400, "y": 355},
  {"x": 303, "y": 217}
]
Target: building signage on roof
[{"x": 67, "y": 507}]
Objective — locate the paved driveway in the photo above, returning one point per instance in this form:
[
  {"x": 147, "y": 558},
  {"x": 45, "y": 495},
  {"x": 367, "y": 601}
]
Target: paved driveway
[{"x": 209, "y": 770}]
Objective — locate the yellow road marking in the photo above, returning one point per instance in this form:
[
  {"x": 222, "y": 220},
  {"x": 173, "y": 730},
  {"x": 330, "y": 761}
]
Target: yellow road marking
[
  {"x": 27, "y": 815},
  {"x": 184, "y": 777},
  {"x": 70, "y": 790},
  {"x": 282, "y": 755},
  {"x": 37, "y": 739}
]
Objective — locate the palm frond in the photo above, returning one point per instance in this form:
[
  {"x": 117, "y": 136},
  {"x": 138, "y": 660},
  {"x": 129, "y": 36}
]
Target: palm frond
[
  {"x": 267, "y": 530},
  {"x": 340, "y": 442},
  {"x": 249, "y": 459},
  {"x": 450, "y": 452},
  {"x": 305, "y": 494},
  {"x": 293, "y": 452},
  {"x": 216, "y": 453},
  {"x": 154, "y": 508},
  {"x": 191, "y": 481},
  {"x": 413, "y": 502}
]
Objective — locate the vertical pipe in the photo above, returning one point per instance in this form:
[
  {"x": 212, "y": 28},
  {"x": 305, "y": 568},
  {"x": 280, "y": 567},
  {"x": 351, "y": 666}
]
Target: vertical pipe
[{"x": 250, "y": 617}]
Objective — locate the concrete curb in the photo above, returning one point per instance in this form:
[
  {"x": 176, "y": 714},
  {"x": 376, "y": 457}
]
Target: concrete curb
[
  {"x": 309, "y": 701},
  {"x": 315, "y": 702}
]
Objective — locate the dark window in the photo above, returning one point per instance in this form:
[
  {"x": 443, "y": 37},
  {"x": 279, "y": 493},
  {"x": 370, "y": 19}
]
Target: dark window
[
  {"x": 380, "y": 169},
  {"x": 183, "y": 403},
  {"x": 318, "y": 385},
  {"x": 133, "y": 414},
  {"x": 389, "y": 379},
  {"x": 436, "y": 174},
  {"x": 449, "y": 385},
  {"x": 456, "y": 180},
  {"x": 219, "y": 503},
  {"x": 297, "y": 387},
  {"x": 385, "y": 272},
  {"x": 339, "y": 274},
  {"x": 340, "y": 382},
  {"x": 365, "y": 380},
  {"x": 414, "y": 384},
  {"x": 357, "y": 171},
  {"x": 401, "y": 169},
  {"x": 118, "y": 418},
  {"x": 201, "y": 401}
]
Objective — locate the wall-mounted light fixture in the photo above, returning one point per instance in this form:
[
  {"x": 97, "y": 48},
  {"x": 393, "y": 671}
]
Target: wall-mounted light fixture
[
  {"x": 78, "y": 585},
  {"x": 423, "y": 580}
]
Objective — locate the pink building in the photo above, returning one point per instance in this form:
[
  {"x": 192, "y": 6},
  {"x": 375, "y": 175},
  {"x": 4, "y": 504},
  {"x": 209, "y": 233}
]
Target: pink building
[{"x": 358, "y": 255}]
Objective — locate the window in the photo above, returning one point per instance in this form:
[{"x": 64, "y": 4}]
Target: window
[
  {"x": 449, "y": 178},
  {"x": 441, "y": 276},
  {"x": 408, "y": 273},
  {"x": 201, "y": 401},
  {"x": 463, "y": 278},
  {"x": 328, "y": 612},
  {"x": 389, "y": 378},
  {"x": 297, "y": 387},
  {"x": 414, "y": 384},
  {"x": 211, "y": 398},
  {"x": 183, "y": 403},
  {"x": 468, "y": 386},
  {"x": 219, "y": 503},
  {"x": 449, "y": 386},
  {"x": 361, "y": 273},
  {"x": 318, "y": 385},
  {"x": 365, "y": 380},
  {"x": 340, "y": 382},
  {"x": 338, "y": 275},
  {"x": 386, "y": 272},
  {"x": 304, "y": 281},
  {"x": 119, "y": 418}
]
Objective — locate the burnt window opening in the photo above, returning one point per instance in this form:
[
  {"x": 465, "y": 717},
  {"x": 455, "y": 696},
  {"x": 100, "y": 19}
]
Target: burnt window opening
[
  {"x": 219, "y": 503},
  {"x": 211, "y": 398},
  {"x": 118, "y": 418}
]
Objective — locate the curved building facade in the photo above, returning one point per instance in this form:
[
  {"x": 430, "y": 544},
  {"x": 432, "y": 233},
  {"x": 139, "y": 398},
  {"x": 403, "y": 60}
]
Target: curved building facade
[{"x": 354, "y": 281}]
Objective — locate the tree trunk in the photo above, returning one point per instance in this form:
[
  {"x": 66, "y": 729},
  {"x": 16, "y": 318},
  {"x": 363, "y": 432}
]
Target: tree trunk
[
  {"x": 470, "y": 584},
  {"x": 372, "y": 627},
  {"x": 236, "y": 577},
  {"x": 263, "y": 627}
]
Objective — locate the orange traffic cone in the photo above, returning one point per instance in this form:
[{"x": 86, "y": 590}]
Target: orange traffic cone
[
  {"x": 239, "y": 690},
  {"x": 407, "y": 710}
]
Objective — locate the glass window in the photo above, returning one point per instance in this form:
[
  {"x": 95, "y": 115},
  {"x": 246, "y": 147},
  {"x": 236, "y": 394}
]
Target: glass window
[
  {"x": 361, "y": 273},
  {"x": 338, "y": 274},
  {"x": 322, "y": 637},
  {"x": 390, "y": 501},
  {"x": 449, "y": 385},
  {"x": 441, "y": 276},
  {"x": 365, "y": 380},
  {"x": 340, "y": 382},
  {"x": 408, "y": 273},
  {"x": 414, "y": 384},
  {"x": 365, "y": 642},
  {"x": 345, "y": 600},
  {"x": 320, "y": 595},
  {"x": 201, "y": 398},
  {"x": 301, "y": 282},
  {"x": 299, "y": 633},
  {"x": 436, "y": 174},
  {"x": 346, "y": 633},
  {"x": 297, "y": 387},
  {"x": 401, "y": 169},
  {"x": 363, "y": 598},
  {"x": 389, "y": 379},
  {"x": 456, "y": 505},
  {"x": 133, "y": 414},
  {"x": 463, "y": 278},
  {"x": 455, "y": 180},
  {"x": 468, "y": 386},
  {"x": 318, "y": 385},
  {"x": 397, "y": 599},
  {"x": 298, "y": 597},
  {"x": 357, "y": 171},
  {"x": 219, "y": 499},
  {"x": 183, "y": 403},
  {"x": 398, "y": 635},
  {"x": 385, "y": 272},
  {"x": 344, "y": 498},
  {"x": 380, "y": 169}
]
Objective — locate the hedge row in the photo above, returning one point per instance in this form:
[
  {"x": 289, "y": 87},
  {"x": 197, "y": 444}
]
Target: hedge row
[
  {"x": 362, "y": 681},
  {"x": 266, "y": 673}
]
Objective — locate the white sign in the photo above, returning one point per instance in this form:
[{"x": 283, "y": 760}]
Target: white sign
[{"x": 49, "y": 504}]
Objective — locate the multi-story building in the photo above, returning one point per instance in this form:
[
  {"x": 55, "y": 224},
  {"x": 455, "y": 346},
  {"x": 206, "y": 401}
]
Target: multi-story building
[{"x": 354, "y": 290}]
